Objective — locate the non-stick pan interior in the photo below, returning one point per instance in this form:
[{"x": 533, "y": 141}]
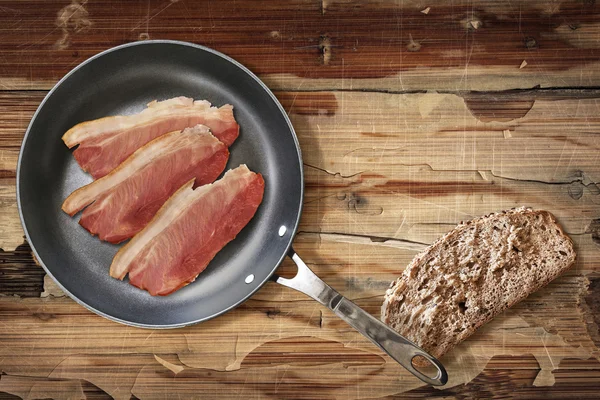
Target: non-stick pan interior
[{"x": 122, "y": 81}]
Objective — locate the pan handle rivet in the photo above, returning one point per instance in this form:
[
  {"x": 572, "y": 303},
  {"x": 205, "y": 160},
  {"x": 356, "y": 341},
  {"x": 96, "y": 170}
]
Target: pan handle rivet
[
  {"x": 249, "y": 278},
  {"x": 282, "y": 230}
]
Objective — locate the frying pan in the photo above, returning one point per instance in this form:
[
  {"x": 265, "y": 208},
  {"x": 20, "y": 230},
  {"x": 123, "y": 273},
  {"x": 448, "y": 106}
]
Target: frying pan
[{"x": 121, "y": 81}]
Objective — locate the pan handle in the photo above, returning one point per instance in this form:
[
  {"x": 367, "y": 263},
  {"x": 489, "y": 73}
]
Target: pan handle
[{"x": 400, "y": 349}]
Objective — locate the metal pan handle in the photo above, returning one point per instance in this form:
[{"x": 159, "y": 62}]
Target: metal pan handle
[{"x": 400, "y": 349}]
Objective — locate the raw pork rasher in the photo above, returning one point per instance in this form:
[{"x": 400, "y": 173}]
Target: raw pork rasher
[
  {"x": 106, "y": 142},
  {"x": 125, "y": 200},
  {"x": 188, "y": 231}
]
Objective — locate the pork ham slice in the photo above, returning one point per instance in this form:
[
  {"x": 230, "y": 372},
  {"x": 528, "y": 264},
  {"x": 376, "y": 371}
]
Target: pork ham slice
[
  {"x": 106, "y": 142},
  {"x": 188, "y": 231},
  {"x": 125, "y": 200}
]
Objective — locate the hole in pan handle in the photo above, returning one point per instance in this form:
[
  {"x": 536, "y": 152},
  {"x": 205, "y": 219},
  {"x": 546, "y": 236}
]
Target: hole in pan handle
[{"x": 399, "y": 348}]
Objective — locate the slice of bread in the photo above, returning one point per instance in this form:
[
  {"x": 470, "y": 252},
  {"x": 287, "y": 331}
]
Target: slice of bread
[{"x": 472, "y": 274}]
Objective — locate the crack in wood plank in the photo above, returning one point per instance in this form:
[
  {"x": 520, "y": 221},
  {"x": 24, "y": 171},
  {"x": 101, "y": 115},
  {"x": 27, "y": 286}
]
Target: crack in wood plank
[
  {"x": 366, "y": 239},
  {"x": 332, "y": 173},
  {"x": 582, "y": 179}
]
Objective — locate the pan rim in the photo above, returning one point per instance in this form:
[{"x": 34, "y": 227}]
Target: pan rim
[{"x": 251, "y": 75}]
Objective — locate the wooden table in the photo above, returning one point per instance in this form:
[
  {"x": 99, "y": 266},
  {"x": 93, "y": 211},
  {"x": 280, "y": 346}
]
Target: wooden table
[{"x": 412, "y": 116}]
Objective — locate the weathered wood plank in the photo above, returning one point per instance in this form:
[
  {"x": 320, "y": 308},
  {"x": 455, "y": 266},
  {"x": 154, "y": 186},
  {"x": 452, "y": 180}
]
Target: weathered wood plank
[
  {"x": 26, "y": 387},
  {"x": 413, "y": 173},
  {"x": 512, "y": 377},
  {"x": 65, "y": 334},
  {"x": 19, "y": 274},
  {"x": 323, "y": 44},
  {"x": 386, "y": 174},
  {"x": 503, "y": 376}
]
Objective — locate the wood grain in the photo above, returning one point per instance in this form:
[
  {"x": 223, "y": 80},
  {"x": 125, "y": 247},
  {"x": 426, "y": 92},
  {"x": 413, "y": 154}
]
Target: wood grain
[
  {"x": 409, "y": 122},
  {"x": 464, "y": 45},
  {"x": 21, "y": 275}
]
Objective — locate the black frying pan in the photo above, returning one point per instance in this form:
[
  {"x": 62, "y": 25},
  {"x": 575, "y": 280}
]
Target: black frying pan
[{"x": 121, "y": 81}]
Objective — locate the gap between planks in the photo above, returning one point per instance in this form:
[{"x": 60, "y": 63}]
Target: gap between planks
[{"x": 552, "y": 92}]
